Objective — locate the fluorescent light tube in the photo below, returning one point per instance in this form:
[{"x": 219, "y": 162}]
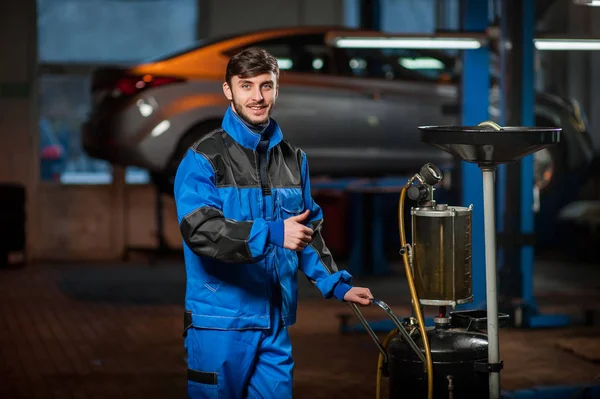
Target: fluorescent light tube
[
  {"x": 567, "y": 44},
  {"x": 592, "y": 3},
  {"x": 417, "y": 43}
]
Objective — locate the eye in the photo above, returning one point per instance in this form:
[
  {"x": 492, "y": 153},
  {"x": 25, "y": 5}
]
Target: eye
[
  {"x": 268, "y": 86},
  {"x": 245, "y": 86}
]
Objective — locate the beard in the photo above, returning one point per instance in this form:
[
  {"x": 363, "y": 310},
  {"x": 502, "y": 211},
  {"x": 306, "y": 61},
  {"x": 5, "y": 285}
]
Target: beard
[{"x": 245, "y": 114}]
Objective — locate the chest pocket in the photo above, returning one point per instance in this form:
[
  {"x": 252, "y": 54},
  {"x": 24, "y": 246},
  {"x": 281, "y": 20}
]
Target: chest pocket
[{"x": 289, "y": 202}]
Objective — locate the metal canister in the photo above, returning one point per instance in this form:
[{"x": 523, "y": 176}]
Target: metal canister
[
  {"x": 457, "y": 355},
  {"x": 441, "y": 254}
]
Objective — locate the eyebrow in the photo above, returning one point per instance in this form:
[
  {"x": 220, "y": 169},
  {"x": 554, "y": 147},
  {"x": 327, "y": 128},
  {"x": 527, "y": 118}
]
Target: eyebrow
[{"x": 246, "y": 81}]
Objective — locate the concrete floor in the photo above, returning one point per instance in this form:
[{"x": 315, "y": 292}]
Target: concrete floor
[{"x": 114, "y": 331}]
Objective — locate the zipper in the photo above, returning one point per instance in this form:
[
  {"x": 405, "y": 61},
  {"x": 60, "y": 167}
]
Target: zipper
[
  {"x": 263, "y": 211},
  {"x": 265, "y": 185}
]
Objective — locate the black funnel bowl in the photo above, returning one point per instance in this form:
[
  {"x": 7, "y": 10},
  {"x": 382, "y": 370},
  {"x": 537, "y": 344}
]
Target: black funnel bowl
[{"x": 486, "y": 145}]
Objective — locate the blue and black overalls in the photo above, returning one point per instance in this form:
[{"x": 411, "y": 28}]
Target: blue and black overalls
[{"x": 241, "y": 288}]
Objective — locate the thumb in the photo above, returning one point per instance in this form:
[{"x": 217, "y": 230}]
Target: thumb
[
  {"x": 302, "y": 216},
  {"x": 363, "y": 300}
]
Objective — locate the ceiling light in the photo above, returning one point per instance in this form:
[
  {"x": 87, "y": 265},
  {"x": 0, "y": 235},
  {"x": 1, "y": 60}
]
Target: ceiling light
[
  {"x": 592, "y": 3},
  {"x": 415, "y": 43},
  {"x": 567, "y": 44}
]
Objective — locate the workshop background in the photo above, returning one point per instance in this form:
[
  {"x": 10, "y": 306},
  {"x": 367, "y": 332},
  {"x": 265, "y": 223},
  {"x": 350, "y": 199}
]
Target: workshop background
[{"x": 91, "y": 273}]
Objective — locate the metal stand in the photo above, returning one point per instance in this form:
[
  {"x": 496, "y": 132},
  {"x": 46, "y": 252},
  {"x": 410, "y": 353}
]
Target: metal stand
[
  {"x": 490, "y": 278},
  {"x": 162, "y": 249}
]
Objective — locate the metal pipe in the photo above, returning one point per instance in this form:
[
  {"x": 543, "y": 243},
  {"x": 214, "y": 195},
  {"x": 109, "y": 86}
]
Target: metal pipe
[
  {"x": 398, "y": 324},
  {"x": 490, "y": 277},
  {"x": 369, "y": 330},
  {"x": 401, "y": 328}
]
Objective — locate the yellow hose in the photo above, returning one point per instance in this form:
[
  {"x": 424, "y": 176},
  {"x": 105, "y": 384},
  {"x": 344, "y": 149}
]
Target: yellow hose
[
  {"x": 416, "y": 305},
  {"x": 415, "y": 298}
]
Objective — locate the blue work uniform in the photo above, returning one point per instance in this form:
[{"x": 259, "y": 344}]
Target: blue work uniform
[{"x": 232, "y": 196}]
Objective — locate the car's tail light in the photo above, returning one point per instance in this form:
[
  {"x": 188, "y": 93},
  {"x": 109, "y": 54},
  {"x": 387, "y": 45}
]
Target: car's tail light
[{"x": 129, "y": 85}]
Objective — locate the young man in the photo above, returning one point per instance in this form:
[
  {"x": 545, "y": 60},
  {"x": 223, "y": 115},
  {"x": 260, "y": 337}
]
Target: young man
[{"x": 249, "y": 223}]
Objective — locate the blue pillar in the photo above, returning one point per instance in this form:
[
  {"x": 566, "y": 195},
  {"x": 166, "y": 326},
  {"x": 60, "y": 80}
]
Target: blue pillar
[
  {"x": 527, "y": 119},
  {"x": 501, "y": 171},
  {"x": 474, "y": 96},
  {"x": 517, "y": 271}
]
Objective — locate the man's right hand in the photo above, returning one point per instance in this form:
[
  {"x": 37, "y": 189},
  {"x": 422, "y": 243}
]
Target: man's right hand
[{"x": 296, "y": 235}]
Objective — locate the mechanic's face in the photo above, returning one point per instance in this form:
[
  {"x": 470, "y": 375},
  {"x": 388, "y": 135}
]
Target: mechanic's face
[{"x": 253, "y": 98}]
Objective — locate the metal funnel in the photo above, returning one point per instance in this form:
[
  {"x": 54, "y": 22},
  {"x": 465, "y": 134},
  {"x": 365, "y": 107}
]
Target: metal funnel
[{"x": 488, "y": 143}]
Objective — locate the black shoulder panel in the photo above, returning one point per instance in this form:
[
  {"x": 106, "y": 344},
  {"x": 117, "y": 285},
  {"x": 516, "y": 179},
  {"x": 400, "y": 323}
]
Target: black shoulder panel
[{"x": 234, "y": 165}]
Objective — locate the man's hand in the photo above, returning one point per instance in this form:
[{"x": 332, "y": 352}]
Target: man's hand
[
  {"x": 296, "y": 235},
  {"x": 359, "y": 295}
]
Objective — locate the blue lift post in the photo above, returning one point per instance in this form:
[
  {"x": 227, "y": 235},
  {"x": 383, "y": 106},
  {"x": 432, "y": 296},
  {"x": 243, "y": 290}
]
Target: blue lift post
[
  {"x": 517, "y": 255},
  {"x": 474, "y": 107}
]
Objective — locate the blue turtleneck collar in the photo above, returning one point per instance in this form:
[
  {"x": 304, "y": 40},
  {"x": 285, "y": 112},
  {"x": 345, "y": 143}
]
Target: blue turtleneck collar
[{"x": 243, "y": 134}]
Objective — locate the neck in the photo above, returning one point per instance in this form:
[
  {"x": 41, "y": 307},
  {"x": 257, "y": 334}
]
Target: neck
[{"x": 256, "y": 128}]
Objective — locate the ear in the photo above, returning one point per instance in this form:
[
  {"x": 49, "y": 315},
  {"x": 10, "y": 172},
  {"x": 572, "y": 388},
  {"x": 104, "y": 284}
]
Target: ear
[
  {"x": 227, "y": 91},
  {"x": 276, "y": 91}
]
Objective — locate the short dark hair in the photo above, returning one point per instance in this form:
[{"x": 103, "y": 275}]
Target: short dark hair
[{"x": 250, "y": 62}]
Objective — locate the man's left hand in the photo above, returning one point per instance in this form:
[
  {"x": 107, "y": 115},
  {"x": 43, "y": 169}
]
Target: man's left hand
[{"x": 359, "y": 295}]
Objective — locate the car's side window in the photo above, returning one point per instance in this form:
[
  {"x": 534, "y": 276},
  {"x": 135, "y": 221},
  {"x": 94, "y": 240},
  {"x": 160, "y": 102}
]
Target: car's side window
[
  {"x": 395, "y": 64},
  {"x": 300, "y": 53}
]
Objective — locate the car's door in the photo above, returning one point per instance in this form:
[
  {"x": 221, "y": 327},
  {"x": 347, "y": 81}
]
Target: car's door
[{"x": 406, "y": 97}]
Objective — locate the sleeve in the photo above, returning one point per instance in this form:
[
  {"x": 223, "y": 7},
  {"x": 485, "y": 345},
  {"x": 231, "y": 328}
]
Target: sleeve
[
  {"x": 204, "y": 228},
  {"x": 316, "y": 262}
]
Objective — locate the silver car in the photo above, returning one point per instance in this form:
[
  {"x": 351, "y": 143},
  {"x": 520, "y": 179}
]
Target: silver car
[{"x": 354, "y": 111}]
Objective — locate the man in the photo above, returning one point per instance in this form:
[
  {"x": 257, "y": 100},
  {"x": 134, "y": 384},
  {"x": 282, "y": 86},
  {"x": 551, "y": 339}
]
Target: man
[{"x": 249, "y": 223}]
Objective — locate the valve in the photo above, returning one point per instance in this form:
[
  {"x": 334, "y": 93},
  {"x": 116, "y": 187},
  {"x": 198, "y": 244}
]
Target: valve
[
  {"x": 422, "y": 189},
  {"x": 417, "y": 193}
]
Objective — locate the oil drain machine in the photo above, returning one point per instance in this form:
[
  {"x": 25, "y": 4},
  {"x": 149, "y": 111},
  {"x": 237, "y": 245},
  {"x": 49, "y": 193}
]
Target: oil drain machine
[{"x": 459, "y": 356}]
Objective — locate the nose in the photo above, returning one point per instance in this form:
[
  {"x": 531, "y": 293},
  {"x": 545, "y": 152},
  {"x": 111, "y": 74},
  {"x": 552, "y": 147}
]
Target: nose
[{"x": 257, "y": 94}]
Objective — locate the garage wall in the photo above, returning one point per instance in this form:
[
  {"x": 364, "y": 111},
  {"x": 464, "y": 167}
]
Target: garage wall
[
  {"x": 223, "y": 17},
  {"x": 18, "y": 155},
  {"x": 98, "y": 222}
]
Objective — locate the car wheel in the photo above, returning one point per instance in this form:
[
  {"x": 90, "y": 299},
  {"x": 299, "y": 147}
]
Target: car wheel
[
  {"x": 165, "y": 181},
  {"x": 548, "y": 163}
]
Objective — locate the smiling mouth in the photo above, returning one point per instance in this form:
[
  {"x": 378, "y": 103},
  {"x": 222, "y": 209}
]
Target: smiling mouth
[{"x": 257, "y": 107}]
